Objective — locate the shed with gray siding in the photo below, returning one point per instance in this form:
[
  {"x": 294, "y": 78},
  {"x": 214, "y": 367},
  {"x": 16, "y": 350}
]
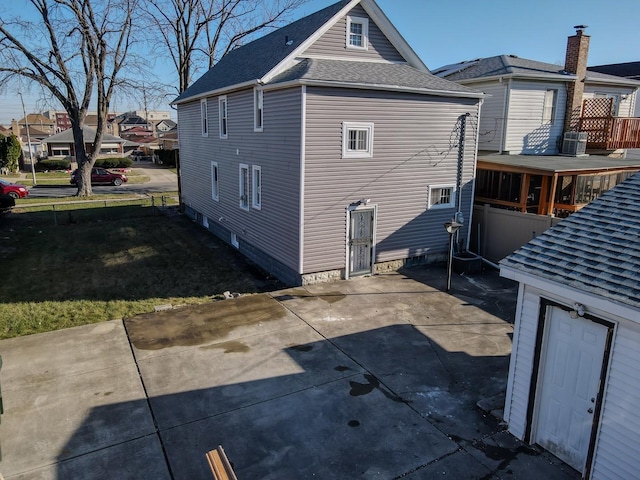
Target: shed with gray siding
[
  {"x": 574, "y": 377},
  {"x": 352, "y": 144}
]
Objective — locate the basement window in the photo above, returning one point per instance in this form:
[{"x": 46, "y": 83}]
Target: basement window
[{"x": 442, "y": 196}]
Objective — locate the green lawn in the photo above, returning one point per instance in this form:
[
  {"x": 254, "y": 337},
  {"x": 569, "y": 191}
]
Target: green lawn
[{"x": 107, "y": 263}]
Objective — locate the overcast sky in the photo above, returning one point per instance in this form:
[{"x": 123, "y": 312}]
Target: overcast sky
[{"x": 443, "y": 32}]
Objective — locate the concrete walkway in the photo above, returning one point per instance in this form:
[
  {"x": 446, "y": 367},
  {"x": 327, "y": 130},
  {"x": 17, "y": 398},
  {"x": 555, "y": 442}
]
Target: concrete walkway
[{"x": 369, "y": 378}]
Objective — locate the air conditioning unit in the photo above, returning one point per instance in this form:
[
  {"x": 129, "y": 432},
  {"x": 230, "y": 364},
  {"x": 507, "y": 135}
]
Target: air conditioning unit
[{"x": 574, "y": 144}]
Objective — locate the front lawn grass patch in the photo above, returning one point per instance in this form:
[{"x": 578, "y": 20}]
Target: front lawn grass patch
[{"x": 109, "y": 267}]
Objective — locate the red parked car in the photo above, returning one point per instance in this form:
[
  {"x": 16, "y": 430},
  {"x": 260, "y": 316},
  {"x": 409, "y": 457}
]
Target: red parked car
[
  {"x": 13, "y": 189},
  {"x": 101, "y": 176}
]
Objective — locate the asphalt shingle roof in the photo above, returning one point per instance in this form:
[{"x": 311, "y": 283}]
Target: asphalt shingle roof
[
  {"x": 513, "y": 65},
  {"x": 387, "y": 75},
  {"x": 595, "y": 250},
  {"x": 66, "y": 136},
  {"x": 627, "y": 70},
  {"x": 254, "y": 60},
  {"x": 257, "y": 58}
]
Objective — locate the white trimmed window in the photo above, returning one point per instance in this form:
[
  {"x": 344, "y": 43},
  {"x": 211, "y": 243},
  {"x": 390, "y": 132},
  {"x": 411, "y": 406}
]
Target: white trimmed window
[
  {"x": 258, "y": 107},
  {"x": 244, "y": 186},
  {"x": 442, "y": 196},
  {"x": 222, "y": 109},
  {"x": 357, "y": 32},
  {"x": 550, "y": 102},
  {"x": 204, "y": 121},
  {"x": 215, "y": 185},
  {"x": 357, "y": 140},
  {"x": 256, "y": 184}
]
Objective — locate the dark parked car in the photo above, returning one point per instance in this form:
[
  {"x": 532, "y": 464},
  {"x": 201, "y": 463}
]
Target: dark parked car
[
  {"x": 100, "y": 176},
  {"x": 13, "y": 189},
  {"x": 6, "y": 203}
]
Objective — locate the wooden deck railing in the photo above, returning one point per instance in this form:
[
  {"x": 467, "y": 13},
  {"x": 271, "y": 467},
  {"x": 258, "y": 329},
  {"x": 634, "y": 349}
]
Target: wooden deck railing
[{"x": 611, "y": 133}]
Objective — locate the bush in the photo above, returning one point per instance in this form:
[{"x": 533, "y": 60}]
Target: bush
[
  {"x": 52, "y": 164},
  {"x": 120, "y": 162}
]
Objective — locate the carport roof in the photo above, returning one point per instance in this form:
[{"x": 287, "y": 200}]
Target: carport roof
[
  {"x": 556, "y": 163},
  {"x": 595, "y": 250}
]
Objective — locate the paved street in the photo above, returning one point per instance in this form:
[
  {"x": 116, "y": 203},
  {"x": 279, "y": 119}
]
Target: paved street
[{"x": 161, "y": 180}]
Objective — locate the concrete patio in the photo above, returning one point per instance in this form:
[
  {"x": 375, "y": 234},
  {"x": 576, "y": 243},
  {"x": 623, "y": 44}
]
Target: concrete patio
[{"x": 375, "y": 377}]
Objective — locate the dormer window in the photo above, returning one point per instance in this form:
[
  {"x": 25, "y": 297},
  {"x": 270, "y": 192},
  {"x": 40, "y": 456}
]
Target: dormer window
[{"x": 357, "y": 32}]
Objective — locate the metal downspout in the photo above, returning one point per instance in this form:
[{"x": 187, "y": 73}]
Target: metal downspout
[{"x": 505, "y": 118}]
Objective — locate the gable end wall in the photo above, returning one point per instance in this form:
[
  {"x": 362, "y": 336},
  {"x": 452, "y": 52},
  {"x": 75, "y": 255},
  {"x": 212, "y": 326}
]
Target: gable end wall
[{"x": 333, "y": 43}]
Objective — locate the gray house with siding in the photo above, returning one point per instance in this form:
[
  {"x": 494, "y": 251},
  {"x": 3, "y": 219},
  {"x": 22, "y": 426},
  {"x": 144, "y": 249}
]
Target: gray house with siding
[
  {"x": 326, "y": 149},
  {"x": 574, "y": 377}
]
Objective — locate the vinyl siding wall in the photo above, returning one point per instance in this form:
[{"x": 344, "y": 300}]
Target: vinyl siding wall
[
  {"x": 274, "y": 228},
  {"x": 526, "y": 132},
  {"x": 522, "y": 356},
  {"x": 619, "y": 431},
  {"x": 492, "y": 122},
  {"x": 617, "y": 443},
  {"x": 333, "y": 42},
  {"x": 414, "y": 146}
]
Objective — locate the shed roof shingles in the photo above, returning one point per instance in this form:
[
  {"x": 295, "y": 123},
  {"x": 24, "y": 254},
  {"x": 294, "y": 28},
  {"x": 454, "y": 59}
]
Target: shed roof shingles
[{"x": 596, "y": 249}]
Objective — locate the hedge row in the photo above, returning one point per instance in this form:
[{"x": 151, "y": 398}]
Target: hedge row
[
  {"x": 123, "y": 162},
  {"x": 49, "y": 164},
  {"x": 52, "y": 164}
]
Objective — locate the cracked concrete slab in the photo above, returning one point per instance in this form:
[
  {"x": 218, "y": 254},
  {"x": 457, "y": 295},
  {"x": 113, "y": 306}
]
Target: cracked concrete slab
[{"x": 380, "y": 377}]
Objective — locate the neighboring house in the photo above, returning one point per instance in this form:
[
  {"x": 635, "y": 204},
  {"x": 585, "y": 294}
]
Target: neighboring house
[
  {"x": 61, "y": 144},
  {"x": 61, "y": 119},
  {"x": 629, "y": 70},
  {"x": 536, "y": 111},
  {"x": 39, "y": 122},
  {"x": 30, "y": 139},
  {"x": 327, "y": 150},
  {"x": 574, "y": 377},
  {"x": 169, "y": 140},
  {"x": 165, "y": 126},
  {"x": 139, "y": 131},
  {"x": 153, "y": 116}
]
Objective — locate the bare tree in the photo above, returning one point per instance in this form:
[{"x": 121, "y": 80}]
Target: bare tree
[
  {"x": 75, "y": 50},
  {"x": 197, "y": 33}
]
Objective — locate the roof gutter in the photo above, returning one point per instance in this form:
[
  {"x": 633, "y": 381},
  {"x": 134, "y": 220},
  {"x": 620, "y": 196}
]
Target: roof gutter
[
  {"x": 390, "y": 88},
  {"x": 218, "y": 91},
  {"x": 613, "y": 81},
  {"x": 551, "y": 76}
]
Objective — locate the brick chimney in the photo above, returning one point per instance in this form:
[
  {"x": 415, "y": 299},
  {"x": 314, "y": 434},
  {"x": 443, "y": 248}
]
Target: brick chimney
[
  {"x": 576, "y": 63},
  {"x": 15, "y": 128}
]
